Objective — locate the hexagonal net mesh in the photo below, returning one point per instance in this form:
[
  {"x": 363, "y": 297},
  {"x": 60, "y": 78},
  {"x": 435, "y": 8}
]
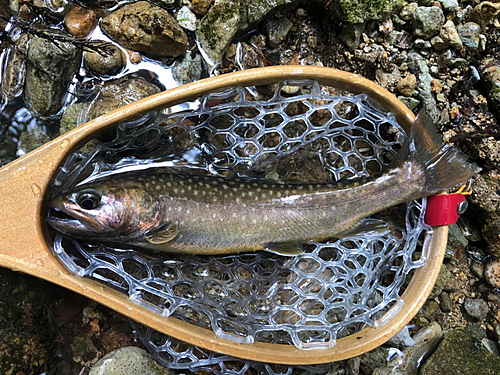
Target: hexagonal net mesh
[{"x": 332, "y": 290}]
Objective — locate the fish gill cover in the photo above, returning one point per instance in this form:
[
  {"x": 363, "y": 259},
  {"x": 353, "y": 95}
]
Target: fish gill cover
[{"x": 331, "y": 290}]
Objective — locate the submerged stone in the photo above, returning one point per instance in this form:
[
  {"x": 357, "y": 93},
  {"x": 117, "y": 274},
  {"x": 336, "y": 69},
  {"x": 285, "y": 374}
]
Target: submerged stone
[
  {"x": 49, "y": 74},
  {"x": 359, "y": 11},
  {"x": 145, "y": 27}
]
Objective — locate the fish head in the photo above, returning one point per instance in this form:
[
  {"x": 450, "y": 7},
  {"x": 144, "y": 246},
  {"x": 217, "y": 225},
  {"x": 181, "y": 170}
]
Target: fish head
[{"x": 103, "y": 211}]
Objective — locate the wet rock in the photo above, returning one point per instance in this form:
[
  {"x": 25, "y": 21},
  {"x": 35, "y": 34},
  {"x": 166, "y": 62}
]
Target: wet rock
[
  {"x": 14, "y": 73},
  {"x": 460, "y": 354},
  {"x": 449, "y": 5},
  {"x": 218, "y": 28},
  {"x": 427, "y": 22},
  {"x": 31, "y": 140},
  {"x": 147, "y": 28},
  {"x": 188, "y": 69},
  {"x": 200, "y": 7},
  {"x": 129, "y": 361},
  {"x": 456, "y": 240},
  {"x": 249, "y": 57},
  {"x": 430, "y": 310},
  {"x": 388, "y": 80},
  {"x": 359, "y": 11},
  {"x": 373, "y": 359},
  {"x": 492, "y": 272},
  {"x": 120, "y": 92},
  {"x": 277, "y": 29},
  {"x": 351, "y": 34},
  {"x": 418, "y": 66},
  {"x": 400, "y": 39},
  {"x": 477, "y": 269},
  {"x": 476, "y": 308},
  {"x": 49, "y": 74},
  {"x": 438, "y": 43},
  {"x": 74, "y": 115},
  {"x": 445, "y": 302},
  {"x": 485, "y": 199},
  {"x": 422, "y": 44},
  {"x": 425, "y": 341},
  {"x": 484, "y": 13},
  {"x": 469, "y": 34},
  {"x": 407, "y": 11},
  {"x": 252, "y": 12},
  {"x": 186, "y": 19},
  {"x": 80, "y": 21},
  {"x": 491, "y": 346},
  {"x": 370, "y": 53},
  {"x": 489, "y": 70},
  {"x": 450, "y": 36},
  {"x": 406, "y": 85},
  {"x": 108, "y": 62}
]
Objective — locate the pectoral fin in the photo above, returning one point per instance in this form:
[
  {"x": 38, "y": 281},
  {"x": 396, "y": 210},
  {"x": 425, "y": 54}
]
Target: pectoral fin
[
  {"x": 365, "y": 227},
  {"x": 163, "y": 234},
  {"x": 284, "y": 248}
]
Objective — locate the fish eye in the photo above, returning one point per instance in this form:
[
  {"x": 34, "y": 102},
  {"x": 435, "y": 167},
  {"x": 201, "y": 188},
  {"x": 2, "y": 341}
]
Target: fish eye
[{"x": 88, "y": 200}]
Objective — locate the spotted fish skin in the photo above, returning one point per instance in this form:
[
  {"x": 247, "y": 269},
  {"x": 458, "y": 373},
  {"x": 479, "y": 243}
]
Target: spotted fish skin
[{"x": 161, "y": 210}]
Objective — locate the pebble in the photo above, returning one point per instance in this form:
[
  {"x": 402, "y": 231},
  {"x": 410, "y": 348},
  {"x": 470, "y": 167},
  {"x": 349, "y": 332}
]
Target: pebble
[
  {"x": 436, "y": 86},
  {"x": 129, "y": 360},
  {"x": 406, "y": 86},
  {"x": 186, "y": 19},
  {"x": 449, "y": 5},
  {"x": 402, "y": 339},
  {"x": 422, "y": 44},
  {"x": 477, "y": 308},
  {"x": 410, "y": 103},
  {"x": 445, "y": 302},
  {"x": 104, "y": 63},
  {"x": 430, "y": 310},
  {"x": 407, "y": 11},
  {"x": 492, "y": 273},
  {"x": 469, "y": 34},
  {"x": 80, "y": 21},
  {"x": 351, "y": 35},
  {"x": 484, "y": 12},
  {"x": 31, "y": 139},
  {"x": 491, "y": 346},
  {"x": 438, "y": 43},
  {"x": 200, "y": 7},
  {"x": 277, "y": 29},
  {"x": 187, "y": 69},
  {"x": 450, "y": 36},
  {"x": 477, "y": 269},
  {"x": 427, "y": 22}
]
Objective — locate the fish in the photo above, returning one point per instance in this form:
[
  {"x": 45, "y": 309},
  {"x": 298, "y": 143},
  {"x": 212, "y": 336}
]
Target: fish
[{"x": 163, "y": 210}]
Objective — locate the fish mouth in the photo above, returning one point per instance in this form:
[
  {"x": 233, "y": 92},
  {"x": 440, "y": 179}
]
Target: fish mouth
[{"x": 66, "y": 217}]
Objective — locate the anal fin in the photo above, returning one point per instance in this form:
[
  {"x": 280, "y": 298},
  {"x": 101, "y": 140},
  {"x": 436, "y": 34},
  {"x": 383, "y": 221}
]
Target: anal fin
[
  {"x": 366, "y": 227},
  {"x": 284, "y": 248}
]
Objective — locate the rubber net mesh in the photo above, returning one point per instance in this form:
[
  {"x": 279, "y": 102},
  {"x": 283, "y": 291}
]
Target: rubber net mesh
[{"x": 292, "y": 131}]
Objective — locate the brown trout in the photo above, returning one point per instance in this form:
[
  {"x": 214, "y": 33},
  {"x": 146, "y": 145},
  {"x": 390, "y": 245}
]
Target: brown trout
[{"x": 162, "y": 210}]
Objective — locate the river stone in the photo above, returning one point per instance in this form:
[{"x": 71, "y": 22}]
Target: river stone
[
  {"x": 359, "y": 11},
  {"x": 120, "y": 92},
  {"x": 449, "y": 5},
  {"x": 438, "y": 43},
  {"x": 418, "y": 66},
  {"x": 427, "y": 22},
  {"x": 351, "y": 34},
  {"x": 49, "y": 74},
  {"x": 80, "y": 21},
  {"x": 469, "y": 34},
  {"x": 450, "y": 35},
  {"x": 484, "y": 12},
  {"x": 460, "y": 354},
  {"x": 105, "y": 63},
  {"x": 129, "y": 360},
  {"x": 252, "y": 12},
  {"x": 407, "y": 11},
  {"x": 146, "y": 27},
  {"x": 485, "y": 200},
  {"x": 200, "y": 7},
  {"x": 277, "y": 29},
  {"x": 186, "y": 19},
  {"x": 489, "y": 71},
  {"x": 187, "y": 69},
  {"x": 477, "y": 308},
  {"x": 14, "y": 74},
  {"x": 217, "y": 29}
]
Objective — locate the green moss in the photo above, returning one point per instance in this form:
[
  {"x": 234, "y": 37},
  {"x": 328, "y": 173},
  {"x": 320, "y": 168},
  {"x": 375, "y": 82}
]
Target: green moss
[
  {"x": 217, "y": 15},
  {"x": 359, "y": 11}
]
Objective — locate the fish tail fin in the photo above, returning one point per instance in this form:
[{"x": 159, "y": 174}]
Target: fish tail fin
[{"x": 443, "y": 166}]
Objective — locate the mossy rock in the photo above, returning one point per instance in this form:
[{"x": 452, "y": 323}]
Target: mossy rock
[
  {"x": 359, "y": 11},
  {"x": 460, "y": 354}
]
